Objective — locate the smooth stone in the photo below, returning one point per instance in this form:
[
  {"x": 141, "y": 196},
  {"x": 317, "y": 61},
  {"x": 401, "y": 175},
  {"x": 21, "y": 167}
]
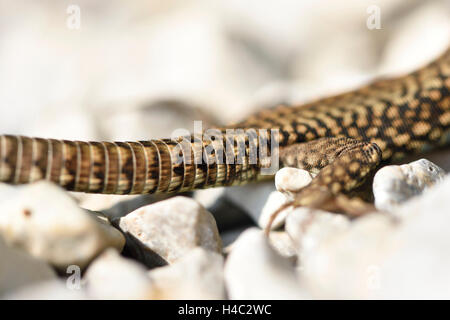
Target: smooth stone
[
  {"x": 291, "y": 180},
  {"x": 440, "y": 157},
  {"x": 173, "y": 227},
  {"x": 19, "y": 269},
  {"x": 419, "y": 267},
  {"x": 112, "y": 276},
  {"x": 45, "y": 221},
  {"x": 275, "y": 200},
  {"x": 385, "y": 257},
  {"x": 288, "y": 181},
  {"x": 346, "y": 265},
  {"x": 282, "y": 244},
  {"x": 396, "y": 184},
  {"x": 253, "y": 270},
  {"x": 307, "y": 228},
  {"x": 196, "y": 275}
]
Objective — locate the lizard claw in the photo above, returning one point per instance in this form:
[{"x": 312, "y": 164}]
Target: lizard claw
[
  {"x": 275, "y": 214},
  {"x": 307, "y": 197},
  {"x": 323, "y": 199}
]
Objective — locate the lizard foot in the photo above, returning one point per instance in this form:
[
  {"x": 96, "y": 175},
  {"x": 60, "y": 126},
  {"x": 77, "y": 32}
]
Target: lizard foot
[
  {"x": 325, "y": 200},
  {"x": 341, "y": 164}
]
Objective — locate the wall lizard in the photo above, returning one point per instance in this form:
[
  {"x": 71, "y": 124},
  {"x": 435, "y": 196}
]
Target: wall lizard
[{"x": 342, "y": 139}]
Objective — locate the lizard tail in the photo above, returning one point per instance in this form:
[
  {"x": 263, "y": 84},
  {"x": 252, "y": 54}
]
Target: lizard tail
[{"x": 154, "y": 166}]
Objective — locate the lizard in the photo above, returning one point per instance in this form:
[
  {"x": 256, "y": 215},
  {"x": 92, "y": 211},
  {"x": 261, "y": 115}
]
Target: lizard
[{"x": 342, "y": 139}]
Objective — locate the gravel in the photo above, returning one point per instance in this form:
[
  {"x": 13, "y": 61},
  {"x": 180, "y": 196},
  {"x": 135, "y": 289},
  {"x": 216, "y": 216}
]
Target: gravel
[{"x": 209, "y": 244}]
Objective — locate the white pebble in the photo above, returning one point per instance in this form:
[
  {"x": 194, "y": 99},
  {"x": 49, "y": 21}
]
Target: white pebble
[
  {"x": 291, "y": 180},
  {"x": 275, "y": 200},
  {"x": 173, "y": 227},
  {"x": 197, "y": 275},
  {"x": 419, "y": 267},
  {"x": 45, "y": 221},
  {"x": 282, "y": 244},
  {"x": 347, "y": 265},
  {"x": 394, "y": 184},
  {"x": 253, "y": 270},
  {"x": 309, "y": 228},
  {"x": 288, "y": 181},
  {"x": 112, "y": 276}
]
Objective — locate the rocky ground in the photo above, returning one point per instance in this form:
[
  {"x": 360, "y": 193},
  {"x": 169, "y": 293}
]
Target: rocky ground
[
  {"x": 215, "y": 62},
  {"x": 53, "y": 247}
]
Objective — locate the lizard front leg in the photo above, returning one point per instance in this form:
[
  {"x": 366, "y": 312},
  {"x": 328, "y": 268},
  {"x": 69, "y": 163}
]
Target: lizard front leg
[{"x": 341, "y": 165}]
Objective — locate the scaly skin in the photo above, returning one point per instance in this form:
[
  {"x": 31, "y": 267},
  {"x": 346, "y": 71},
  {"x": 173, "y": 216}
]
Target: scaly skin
[{"x": 343, "y": 138}]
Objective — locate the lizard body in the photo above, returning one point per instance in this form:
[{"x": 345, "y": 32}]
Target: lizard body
[{"x": 343, "y": 138}]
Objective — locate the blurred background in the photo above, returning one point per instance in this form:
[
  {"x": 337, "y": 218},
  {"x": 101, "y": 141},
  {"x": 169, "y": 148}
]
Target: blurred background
[
  {"x": 140, "y": 69},
  {"x": 85, "y": 69}
]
